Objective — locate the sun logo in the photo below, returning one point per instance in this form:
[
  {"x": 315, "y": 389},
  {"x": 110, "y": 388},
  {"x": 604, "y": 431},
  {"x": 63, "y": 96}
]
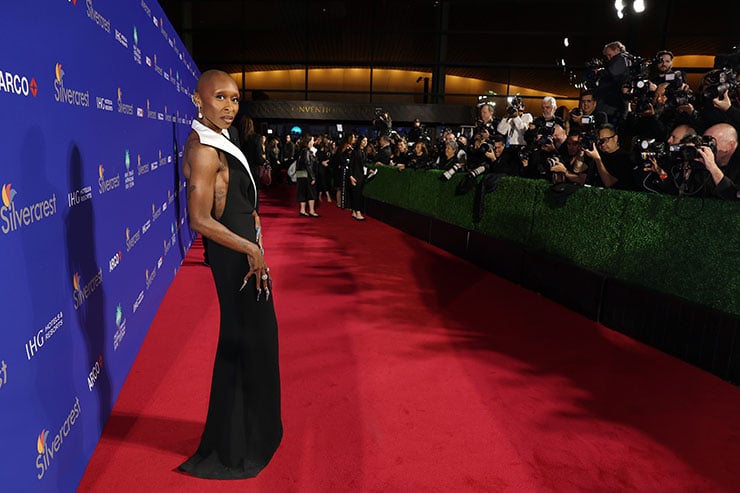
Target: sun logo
[
  {"x": 128, "y": 232},
  {"x": 138, "y": 159},
  {"x": 76, "y": 281},
  {"x": 59, "y": 72},
  {"x": 100, "y": 171},
  {"x": 8, "y": 194},
  {"x": 41, "y": 442}
]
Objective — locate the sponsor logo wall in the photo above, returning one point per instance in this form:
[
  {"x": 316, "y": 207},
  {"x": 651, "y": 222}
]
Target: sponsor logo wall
[{"x": 92, "y": 218}]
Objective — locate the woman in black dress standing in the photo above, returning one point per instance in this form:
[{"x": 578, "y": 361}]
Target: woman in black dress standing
[
  {"x": 341, "y": 179},
  {"x": 305, "y": 172},
  {"x": 243, "y": 427},
  {"x": 357, "y": 178}
]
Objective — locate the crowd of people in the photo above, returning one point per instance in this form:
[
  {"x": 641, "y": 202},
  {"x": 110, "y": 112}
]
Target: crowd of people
[{"x": 638, "y": 126}]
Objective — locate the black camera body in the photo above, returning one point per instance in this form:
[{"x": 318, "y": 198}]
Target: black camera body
[
  {"x": 717, "y": 81},
  {"x": 643, "y": 149},
  {"x": 687, "y": 151},
  {"x": 676, "y": 97},
  {"x": 516, "y": 105}
]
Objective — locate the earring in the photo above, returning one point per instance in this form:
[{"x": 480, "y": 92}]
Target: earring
[{"x": 200, "y": 115}]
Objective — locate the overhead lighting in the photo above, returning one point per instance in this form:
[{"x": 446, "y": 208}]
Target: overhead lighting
[
  {"x": 638, "y": 6},
  {"x": 566, "y": 42},
  {"x": 619, "y": 7}
]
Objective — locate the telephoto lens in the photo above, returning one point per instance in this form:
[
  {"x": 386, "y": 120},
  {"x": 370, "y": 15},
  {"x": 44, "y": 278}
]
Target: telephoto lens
[{"x": 450, "y": 172}]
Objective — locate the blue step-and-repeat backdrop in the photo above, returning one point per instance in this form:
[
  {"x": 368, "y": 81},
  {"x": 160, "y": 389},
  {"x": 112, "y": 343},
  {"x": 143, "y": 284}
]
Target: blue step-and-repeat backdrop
[{"x": 95, "y": 105}]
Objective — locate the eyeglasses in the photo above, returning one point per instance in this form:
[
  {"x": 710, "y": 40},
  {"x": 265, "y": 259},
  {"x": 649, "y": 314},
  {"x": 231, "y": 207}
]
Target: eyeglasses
[{"x": 604, "y": 140}]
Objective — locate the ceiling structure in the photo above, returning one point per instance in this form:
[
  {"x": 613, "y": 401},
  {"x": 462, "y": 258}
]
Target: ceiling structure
[{"x": 513, "y": 42}]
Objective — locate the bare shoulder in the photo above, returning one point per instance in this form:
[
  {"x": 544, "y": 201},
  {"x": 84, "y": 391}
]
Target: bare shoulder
[{"x": 199, "y": 157}]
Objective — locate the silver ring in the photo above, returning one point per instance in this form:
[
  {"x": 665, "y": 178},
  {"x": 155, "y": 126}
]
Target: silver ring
[{"x": 264, "y": 277}]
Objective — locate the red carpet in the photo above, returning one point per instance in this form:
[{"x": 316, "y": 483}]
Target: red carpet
[{"x": 407, "y": 369}]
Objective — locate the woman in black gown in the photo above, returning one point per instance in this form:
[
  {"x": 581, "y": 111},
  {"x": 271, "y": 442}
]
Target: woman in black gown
[
  {"x": 243, "y": 427},
  {"x": 357, "y": 178}
]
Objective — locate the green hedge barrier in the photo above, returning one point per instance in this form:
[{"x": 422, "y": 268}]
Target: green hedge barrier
[{"x": 686, "y": 247}]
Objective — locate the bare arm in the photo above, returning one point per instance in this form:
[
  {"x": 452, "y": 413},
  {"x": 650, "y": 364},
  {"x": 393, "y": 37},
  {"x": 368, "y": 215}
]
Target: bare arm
[{"x": 201, "y": 167}]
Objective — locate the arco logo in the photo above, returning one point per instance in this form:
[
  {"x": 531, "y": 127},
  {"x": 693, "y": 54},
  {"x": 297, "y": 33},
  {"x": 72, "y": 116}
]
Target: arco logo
[{"x": 8, "y": 194}]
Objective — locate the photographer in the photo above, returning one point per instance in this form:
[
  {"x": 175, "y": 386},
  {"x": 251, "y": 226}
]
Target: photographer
[
  {"x": 663, "y": 171},
  {"x": 487, "y": 121},
  {"x": 546, "y": 152},
  {"x": 614, "y": 167},
  {"x": 449, "y": 160},
  {"x": 724, "y": 167},
  {"x": 515, "y": 123},
  {"x": 612, "y": 79},
  {"x": 384, "y": 153},
  {"x": 586, "y": 117},
  {"x": 663, "y": 71},
  {"x": 718, "y": 89},
  {"x": 573, "y": 166},
  {"x": 643, "y": 118}
]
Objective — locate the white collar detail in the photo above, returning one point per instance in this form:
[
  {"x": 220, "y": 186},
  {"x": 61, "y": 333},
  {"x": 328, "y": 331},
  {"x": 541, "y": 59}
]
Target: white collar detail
[{"x": 221, "y": 141}]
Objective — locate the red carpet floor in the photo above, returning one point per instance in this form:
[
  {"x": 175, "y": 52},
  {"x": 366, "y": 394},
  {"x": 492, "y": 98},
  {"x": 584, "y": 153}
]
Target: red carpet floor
[{"x": 407, "y": 369}]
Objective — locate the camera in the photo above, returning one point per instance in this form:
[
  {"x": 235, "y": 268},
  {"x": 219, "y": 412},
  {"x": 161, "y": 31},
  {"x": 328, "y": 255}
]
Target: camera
[
  {"x": 382, "y": 122},
  {"x": 717, "y": 81},
  {"x": 687, "y": 151},
  {"x": 545, "y": 134},
  {"x": 516, "y": 105},
  {"x": 640, "y": 95},
  {"x": 589, "y": 138},
  {"x": 553, "y": 161},
  {"x": 643, "y": 149},
  {"x": 477, "y": 171},
  {"x": 447, "y": 175},
  {"x": 675, "y": 96}
]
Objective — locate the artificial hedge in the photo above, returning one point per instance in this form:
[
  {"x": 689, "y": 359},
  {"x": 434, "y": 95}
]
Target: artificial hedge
[{"x": 687, "y": 247}]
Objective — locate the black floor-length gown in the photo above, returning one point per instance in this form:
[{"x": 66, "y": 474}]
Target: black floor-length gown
[{"x": 243, "y": 428}]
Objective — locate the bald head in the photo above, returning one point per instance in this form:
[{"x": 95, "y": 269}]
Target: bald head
[
  {"x": 209, "y": 77},
  {"x": 726, "y": 137}
]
